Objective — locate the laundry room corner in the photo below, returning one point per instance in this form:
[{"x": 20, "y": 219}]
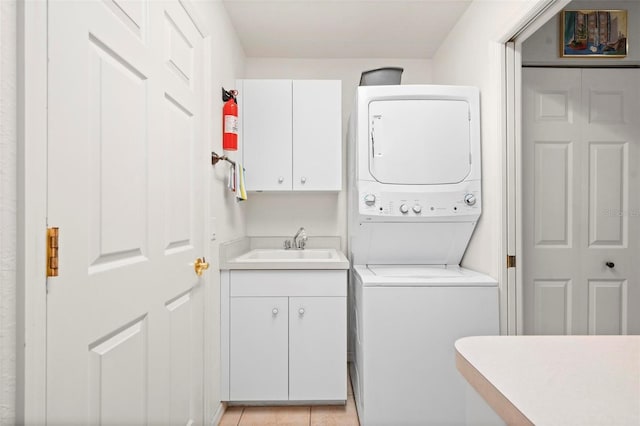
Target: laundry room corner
[
  {"x": 477, "y": 43},
  {"x": 225, "y": 214}
]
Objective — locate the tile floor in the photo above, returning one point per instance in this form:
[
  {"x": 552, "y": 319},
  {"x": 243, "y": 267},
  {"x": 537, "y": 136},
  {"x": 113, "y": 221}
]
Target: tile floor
[{"x": 316, "y": 415}]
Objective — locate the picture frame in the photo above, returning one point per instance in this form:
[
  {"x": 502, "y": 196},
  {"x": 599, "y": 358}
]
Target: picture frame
[{"x": 593, "y": 34}]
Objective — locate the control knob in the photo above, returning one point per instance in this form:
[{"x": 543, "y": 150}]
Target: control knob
[
  {"x": 370, "y": 199},
  {"x": 404, "y": 208},
  {"x": 417, "y": 208},
  {"x": 469, "y": 199}
]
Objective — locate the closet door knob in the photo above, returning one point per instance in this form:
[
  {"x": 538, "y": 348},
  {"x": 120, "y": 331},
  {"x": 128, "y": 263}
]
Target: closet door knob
[
  {"x": 303, "y": 179},
  {"x": 275, "y": 311},
  {"x": 301, "y": 311},
  {"x": 280, "y": 179},
  {"x": 610, "y": 265}
]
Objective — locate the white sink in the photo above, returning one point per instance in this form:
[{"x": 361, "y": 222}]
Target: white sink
[{"x": 278, "y": 255}]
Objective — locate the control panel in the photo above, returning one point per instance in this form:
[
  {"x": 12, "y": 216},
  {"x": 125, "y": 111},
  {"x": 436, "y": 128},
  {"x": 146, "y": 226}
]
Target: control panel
[{"x": 373, "y": 202}]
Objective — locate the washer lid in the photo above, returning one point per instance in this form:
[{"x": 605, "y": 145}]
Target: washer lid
[
  {"x": 419, "y": 141},
  {"x": 416, "y": 271},
  {"x": 421, "y": 276}
]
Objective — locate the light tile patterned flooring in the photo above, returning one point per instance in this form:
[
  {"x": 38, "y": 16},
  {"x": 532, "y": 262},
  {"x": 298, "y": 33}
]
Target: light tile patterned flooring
[{"x": 316, "y": 415}]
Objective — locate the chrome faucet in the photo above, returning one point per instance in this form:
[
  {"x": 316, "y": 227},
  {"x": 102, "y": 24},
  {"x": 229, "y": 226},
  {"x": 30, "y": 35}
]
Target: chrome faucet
[
  {"x": 295, "y": 243},
  {"x": 303, "y": 239}
]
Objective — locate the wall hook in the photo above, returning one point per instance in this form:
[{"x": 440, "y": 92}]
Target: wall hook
[{"x": 215, "y": 158}]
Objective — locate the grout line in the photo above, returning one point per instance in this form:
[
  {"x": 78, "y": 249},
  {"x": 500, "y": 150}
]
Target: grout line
[{"x": 240, "y": 418}]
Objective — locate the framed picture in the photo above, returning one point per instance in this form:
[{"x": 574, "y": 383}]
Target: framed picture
[{"x": 593, "y": 33}]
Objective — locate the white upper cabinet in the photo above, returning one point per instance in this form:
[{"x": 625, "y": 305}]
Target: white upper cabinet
[
  {"x": 317, "y": 135},
  {"x": 267, "y": 134},
  {"x": 292, "y": 135}
]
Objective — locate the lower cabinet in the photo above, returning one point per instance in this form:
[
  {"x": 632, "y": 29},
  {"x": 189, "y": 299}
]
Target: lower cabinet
[
  {"x": 317, "y": 347},
  {"x": 287, "y": 335},
  {"x": 259, "y": 348}
]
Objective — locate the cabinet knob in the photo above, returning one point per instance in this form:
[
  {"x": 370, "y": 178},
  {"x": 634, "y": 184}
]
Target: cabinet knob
[
  {"x": 280, "y": 179},
  {"x": 303, "y": 179},
  {"x": 301, "y": 311},
  {"x": 275, "y": 311}
]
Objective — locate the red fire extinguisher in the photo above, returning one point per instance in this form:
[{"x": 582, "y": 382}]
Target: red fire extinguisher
[{"x": 229, "y": 120}]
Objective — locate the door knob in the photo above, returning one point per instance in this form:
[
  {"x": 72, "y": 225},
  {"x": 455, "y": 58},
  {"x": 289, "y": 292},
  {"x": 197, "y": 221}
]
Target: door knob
[
  {"x": 610, "y": 265},
  {"x": 200, "y": 265},
  {"x": 301, "y": 311}
]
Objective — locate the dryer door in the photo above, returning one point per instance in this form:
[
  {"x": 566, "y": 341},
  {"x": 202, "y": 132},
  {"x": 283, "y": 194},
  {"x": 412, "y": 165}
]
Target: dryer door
[{"x": 419, "y": 141}]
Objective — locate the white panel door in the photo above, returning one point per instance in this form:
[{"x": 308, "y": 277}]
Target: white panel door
[
  {"x": 317, "y": 348},
  {"x": 267, "y": 134},
  {"x": 581, "y": 201},
  {"x": 258, "y": 355},
  {"x": 317, "y": 135},
  {"x": 125, "y": 176}
]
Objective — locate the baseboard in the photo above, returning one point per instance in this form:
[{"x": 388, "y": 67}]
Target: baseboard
[
  {"x": 217, "y": 417},
  {"x": 287, "y": 403}
]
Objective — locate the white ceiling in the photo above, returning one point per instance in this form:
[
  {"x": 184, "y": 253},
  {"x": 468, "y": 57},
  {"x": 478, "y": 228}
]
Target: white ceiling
[{"x": 343, "y": 28}]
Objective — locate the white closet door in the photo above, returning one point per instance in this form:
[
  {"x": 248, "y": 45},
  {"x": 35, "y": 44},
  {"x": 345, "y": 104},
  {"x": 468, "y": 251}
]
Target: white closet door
[
  {"x": 125, "y": 172},
  {"x": 580, "y": 201}
]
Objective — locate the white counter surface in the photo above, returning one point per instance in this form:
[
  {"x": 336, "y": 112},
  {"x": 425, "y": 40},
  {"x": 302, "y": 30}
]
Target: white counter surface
[
  {"x": 232, "y": 254},
  {"x": 555, "y": 380}
]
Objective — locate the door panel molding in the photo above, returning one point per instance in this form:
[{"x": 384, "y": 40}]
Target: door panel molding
[
  {"x": 601, "y": 199},
  {"x": 608, "y": 301},
  {"x": 32, "y": 190}
]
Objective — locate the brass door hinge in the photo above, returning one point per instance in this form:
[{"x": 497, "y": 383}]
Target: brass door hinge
[
  {"x": 52, "y": 252},
  {"x": 511, "y": 261}
]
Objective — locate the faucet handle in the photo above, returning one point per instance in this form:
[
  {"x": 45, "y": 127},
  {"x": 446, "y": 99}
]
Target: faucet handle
[{"x": 302, "y": 240}]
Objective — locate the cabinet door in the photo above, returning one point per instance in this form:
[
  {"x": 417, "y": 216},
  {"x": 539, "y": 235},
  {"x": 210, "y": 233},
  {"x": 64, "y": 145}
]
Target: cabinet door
[
  {"x": 258, "y": 353},
  {"x": 317, "y": 348},
  {"x": 317, "y": 135},
  {"x": 267, "y": 134}
]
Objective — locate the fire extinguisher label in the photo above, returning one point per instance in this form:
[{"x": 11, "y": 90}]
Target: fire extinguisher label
[{"x": 231, "y": 124}]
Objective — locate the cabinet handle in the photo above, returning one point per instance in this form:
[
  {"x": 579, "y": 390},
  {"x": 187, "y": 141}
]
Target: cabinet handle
[
  {"x": 275, "y": 311},
  {"x": 280, "y": 179},
  {"x": 303, "y": 179},
  {"x": 301, "y": 311}
]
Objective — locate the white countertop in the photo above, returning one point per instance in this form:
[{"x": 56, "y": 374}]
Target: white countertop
[
  {"x": 233, "y": 254},
  {"x": 335, "y": 259},
  {"x": 555, "y": 380}
]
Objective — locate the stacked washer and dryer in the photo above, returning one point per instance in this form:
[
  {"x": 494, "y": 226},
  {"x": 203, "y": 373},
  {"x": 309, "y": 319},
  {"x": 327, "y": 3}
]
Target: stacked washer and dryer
[{"x": 414, "y": 201}]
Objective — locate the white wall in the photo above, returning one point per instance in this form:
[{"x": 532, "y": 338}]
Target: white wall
[
  {"x": 8, "y": 205},
  {"x": 322, "y": 214},
  {"x": 471, "y": 55},
  {"x": 542, "y": 47},
  {"x": 227, "y": 65}
]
